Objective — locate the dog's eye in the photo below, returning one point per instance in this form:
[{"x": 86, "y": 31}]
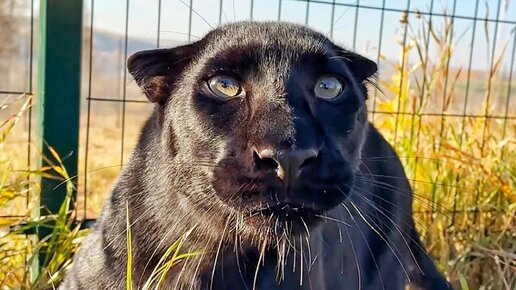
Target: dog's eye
[
  {"x": 328, "y": 87},
  {"x": 225, "y": 87}
]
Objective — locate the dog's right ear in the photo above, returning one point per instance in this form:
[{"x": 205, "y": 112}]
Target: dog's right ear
[
  {"x": 157, "y": 71},
  {"x": 361, "y": 67}
]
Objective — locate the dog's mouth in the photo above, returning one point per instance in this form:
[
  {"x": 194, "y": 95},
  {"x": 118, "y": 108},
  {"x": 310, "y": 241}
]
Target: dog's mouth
[
  {"x": 284, "y": 214},
  {"x": 283, "y": 209}
]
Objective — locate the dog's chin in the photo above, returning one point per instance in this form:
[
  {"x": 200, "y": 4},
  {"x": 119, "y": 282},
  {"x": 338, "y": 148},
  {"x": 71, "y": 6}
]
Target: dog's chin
[
  {"x": 267, "y": 212},
  {"x": 282, "y": 219}
]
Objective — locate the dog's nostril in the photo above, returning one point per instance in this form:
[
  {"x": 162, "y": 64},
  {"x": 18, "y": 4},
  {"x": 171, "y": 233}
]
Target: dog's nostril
[{"x": 264, "y": 163}]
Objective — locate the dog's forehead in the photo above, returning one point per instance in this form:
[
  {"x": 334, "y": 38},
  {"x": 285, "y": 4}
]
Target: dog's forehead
[
  {"x": 269, "y": 49},
  {"x": 281, "y": 36}
]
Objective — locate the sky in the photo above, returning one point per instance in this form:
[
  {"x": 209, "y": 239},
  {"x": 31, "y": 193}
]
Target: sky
[
  {"x": 175, "y": 22},
  {"x": 110, "y": 15}
]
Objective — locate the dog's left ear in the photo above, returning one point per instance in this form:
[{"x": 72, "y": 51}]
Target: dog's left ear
[
  {"x": 157, "y": 71},
  {"x": 361, "y": 67}
]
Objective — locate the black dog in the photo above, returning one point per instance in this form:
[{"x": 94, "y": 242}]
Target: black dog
[{"x": 260, "y": 142}]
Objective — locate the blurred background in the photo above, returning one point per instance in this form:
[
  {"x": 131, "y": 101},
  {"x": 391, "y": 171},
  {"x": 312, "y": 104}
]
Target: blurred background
[{"x": 445, "y": 102}]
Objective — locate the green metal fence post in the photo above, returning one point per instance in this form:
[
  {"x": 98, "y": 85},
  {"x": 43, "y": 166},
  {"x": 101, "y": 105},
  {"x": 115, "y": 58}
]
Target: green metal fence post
[{"x": 58, "y": 96}]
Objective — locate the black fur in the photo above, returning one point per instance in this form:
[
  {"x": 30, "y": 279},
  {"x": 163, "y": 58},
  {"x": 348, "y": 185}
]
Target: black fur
[{"x": 342, "y": 221}]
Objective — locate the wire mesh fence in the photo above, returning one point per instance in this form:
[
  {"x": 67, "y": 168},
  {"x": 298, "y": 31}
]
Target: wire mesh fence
[
  {"x": 17, "y": 85},
  {"x": 382, "y": 30},
  {"x": 445, "y": 101}
]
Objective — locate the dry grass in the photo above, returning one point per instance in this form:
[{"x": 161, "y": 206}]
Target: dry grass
[
  {"x": 18, "y": 184},
  {"x": 463, "y": 169}
]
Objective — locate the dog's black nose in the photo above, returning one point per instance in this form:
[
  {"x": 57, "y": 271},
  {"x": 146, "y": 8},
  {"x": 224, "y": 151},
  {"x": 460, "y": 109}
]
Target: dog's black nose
[{"x": 288, "y": 163}]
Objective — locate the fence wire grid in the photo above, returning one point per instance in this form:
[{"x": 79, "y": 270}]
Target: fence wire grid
[{"x": 386, "y": 23}]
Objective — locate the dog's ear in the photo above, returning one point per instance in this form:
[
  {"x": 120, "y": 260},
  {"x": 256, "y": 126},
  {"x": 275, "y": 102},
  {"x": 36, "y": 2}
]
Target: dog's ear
[
  {"x": 157, "y": 71},
  {"x": 361, "y": 67}
]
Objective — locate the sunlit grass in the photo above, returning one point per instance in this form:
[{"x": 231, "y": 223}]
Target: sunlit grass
[
  {"x": 18, "y": 252},
  {"x": 462, "y": 168}
]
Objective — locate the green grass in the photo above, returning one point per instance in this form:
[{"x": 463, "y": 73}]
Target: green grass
[{"x": 129, "y": 270}]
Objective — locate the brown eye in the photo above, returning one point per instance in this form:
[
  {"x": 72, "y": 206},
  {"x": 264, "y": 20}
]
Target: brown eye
[
  {"x": 225, "y": 87},
  {"x": 328, "y": 87}
]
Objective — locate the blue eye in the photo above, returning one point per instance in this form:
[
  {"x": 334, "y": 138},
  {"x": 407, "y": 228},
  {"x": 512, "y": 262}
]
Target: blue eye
[
  {"x": 328, "y": 87},
  {"x": 225, "y": 87}
]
